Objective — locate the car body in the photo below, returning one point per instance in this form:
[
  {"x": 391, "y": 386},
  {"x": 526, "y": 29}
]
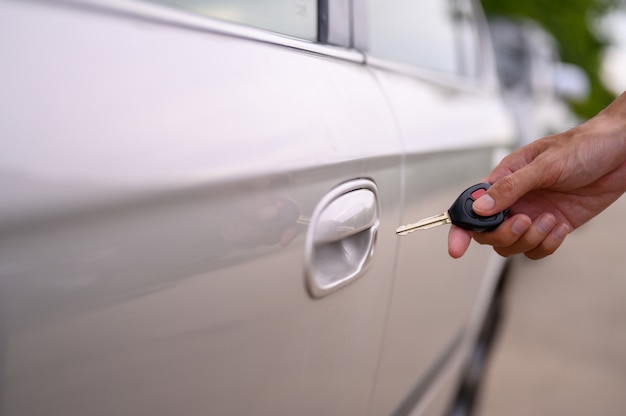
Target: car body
[{"x": 198, "y": 213}]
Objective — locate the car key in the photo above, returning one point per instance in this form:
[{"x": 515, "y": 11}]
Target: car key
[{"x": 460, "y": 214}]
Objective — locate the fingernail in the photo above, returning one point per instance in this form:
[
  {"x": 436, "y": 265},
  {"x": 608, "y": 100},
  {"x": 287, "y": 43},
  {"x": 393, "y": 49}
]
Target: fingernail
[
  {"x": 484, "y": 203},
  {"x": 545, "y": 223},
  {"x": 561, "y": 231},
  {"x": 519, "y": 226}
]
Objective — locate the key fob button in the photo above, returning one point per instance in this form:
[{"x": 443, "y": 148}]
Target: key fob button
[
  {"x": 478, "y": 193},
  {"x": 469, "y": 210}
]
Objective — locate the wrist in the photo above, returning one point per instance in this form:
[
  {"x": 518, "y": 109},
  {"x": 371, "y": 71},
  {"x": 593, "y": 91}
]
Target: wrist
[
  {"x": 610, "y": 125},
  {"x": 615, "y": 113}
]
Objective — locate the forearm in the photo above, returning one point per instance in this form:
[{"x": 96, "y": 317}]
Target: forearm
[
  {"x": 617, "y": 109},
  {"x": 614, "y": 117}
]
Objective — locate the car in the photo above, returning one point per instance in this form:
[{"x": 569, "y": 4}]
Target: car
[
  {"x": 200, "y": 198},
  {"x": 536, "y": 84}
]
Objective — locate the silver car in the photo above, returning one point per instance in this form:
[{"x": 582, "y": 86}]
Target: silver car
[{"x": 199, "y": 200}]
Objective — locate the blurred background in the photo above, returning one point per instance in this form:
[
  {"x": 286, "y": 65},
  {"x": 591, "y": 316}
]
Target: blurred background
[
  {"x": 588, "y": 33},
  {"x": 562, "y": 346}
]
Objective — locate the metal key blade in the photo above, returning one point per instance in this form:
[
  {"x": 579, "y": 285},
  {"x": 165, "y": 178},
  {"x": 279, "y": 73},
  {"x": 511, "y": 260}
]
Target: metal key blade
[{"x": 424, "y": 224}]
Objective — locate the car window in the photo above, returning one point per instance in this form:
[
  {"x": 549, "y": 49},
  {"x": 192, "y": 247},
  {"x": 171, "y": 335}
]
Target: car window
[
  {"x": 437, "y": 35},
  {"x": 291, "y": 17},
  {"x": 417, "y": 32}
]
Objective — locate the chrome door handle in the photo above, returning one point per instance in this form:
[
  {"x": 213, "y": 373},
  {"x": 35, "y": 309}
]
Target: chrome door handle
[{"x": 341, "y": 239}]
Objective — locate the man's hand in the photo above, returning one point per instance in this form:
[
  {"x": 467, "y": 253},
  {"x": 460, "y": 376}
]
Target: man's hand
[{"x": 552, "y": 186}]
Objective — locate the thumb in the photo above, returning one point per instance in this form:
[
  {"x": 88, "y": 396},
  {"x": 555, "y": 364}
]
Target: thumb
[{"x": 506, "y": 191}]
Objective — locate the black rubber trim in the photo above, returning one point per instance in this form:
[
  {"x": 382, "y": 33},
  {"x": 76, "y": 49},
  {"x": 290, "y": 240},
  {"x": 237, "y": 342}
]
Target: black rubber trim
[
  {"x": 322, "y": 21},
  {"x": 417, "y": 392},
  {"x": 469, "y": 391}
]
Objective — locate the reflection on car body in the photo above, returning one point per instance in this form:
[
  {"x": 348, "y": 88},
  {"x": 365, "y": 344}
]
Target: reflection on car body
[{"x": 161, "y": 162}]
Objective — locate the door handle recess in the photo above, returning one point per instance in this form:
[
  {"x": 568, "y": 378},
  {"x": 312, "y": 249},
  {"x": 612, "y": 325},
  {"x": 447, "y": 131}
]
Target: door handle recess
[{"x": 342, "y": 236}]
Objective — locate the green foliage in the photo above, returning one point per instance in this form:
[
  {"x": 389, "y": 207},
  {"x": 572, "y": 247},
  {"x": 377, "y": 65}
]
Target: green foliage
[{"x": 569, "y": 23}]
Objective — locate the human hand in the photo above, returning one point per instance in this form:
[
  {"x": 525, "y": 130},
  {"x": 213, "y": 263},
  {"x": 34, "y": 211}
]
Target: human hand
[{"x": 552, "y": 186}]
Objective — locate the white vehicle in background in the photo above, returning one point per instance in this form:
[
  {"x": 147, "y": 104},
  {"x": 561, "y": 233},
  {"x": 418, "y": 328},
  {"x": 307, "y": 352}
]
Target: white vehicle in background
[
  {"x": 199, "y": 200},
  {"x": 536, "y": 83}
]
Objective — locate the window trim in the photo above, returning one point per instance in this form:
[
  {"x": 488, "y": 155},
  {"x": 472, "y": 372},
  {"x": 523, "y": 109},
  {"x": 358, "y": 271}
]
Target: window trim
[
  {"x": 455, "y": 81},
  {"x": 157, "y": 13},
  {"x": 338, "y": 27}
]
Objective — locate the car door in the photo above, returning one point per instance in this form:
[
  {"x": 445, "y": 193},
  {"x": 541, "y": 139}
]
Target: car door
[
  {"x": 167, "y": 178},
  {"x": 436, "y": 70}
]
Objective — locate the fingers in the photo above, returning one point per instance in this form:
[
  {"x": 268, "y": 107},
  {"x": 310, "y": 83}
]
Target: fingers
[
  {"x": 458, "y": 241},
  {"x": 506, "y": 191},
  {"x": 553, "y": 241},
  {"x": 507, "y": 234},
  {"x": 522, "y": 171},
  {"x": 518, "y": 234}
]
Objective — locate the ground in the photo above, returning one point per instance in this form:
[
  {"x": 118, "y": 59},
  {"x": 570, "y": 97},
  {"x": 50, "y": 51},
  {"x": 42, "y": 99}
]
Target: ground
[{"x": 562, "y": 347}]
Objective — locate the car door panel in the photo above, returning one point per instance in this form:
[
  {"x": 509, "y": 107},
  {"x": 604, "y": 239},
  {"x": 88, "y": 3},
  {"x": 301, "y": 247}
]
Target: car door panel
[
  {"x": 160, "y": 175},
  {"x": 146, "y": 265},
  {"x": 451, "y": 137}
]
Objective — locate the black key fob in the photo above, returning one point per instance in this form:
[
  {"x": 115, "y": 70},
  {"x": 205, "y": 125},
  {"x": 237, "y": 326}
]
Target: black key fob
[{"x": 462, "y": 214}]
